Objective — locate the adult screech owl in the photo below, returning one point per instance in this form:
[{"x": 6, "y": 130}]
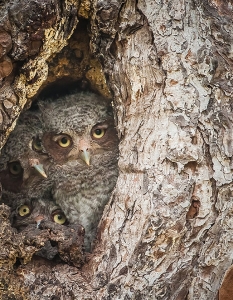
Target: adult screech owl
[
  {"x": 22, "y": 158},
  {"x": 80, "y": 136}
]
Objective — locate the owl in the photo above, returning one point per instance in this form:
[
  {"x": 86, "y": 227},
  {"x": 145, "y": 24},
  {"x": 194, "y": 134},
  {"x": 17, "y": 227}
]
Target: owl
[
  {"x": 80, "y": 136},
  {"x": 23, "y": 162},
  {"x": 26, "y": 211},
  {"x": 29, "y": 216}
]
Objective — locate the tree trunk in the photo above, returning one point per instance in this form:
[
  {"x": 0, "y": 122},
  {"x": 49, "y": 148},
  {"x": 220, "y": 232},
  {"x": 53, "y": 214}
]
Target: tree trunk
[{"x": 166, "y": 232}]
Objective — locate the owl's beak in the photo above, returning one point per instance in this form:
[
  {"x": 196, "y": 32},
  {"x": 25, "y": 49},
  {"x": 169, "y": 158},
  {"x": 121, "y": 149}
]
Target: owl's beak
[
  {"x": 40, "y": 169},
  {"x": 34, "y": 162},
  {"x": 38, "y": 220},
  {"x": 84, "y": 152},
  {"x": 85, "y": 156}
]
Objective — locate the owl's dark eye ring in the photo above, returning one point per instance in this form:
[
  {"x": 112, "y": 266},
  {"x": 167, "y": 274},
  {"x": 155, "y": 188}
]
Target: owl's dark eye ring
[
  {"x": 15, "y": 168},
  {"x": 64, "y": 141},
  {"x": 24, "y": 210},
  {"x": 59, "y": 217},
  {"x": 37, "y": 144},
  {"x": 98, "y": 133}
]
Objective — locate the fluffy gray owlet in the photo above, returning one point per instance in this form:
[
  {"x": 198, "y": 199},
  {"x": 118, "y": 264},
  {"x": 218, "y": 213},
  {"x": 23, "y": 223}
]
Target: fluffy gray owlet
[
  {"x": 81, "y": 138},
  {"x": 22, "y": 158},
  {"x": 27, "y": 211}
]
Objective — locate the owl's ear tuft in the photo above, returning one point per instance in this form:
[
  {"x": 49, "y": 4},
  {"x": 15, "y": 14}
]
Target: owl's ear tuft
[
  {"x": 46, "y": 109},
  {"x": 110, "y": 110},
  {"x": 43, "y": 105},
  {"x": 29, "y": 118}
]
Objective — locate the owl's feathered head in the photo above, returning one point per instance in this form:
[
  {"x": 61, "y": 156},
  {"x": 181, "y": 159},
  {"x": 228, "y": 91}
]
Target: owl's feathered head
[
  {"x": 74, "y": 112},
  {"x": 77, "y": 126}
]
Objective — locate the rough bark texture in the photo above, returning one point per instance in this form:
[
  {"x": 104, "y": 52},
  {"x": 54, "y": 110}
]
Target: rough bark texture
[
  {"x": 31, "y": 32},
  {"x": 166, "y": 233},
  {"x": 167, "y": 230}
]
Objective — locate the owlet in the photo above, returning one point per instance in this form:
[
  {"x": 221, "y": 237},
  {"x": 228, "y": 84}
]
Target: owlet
[
  {"x": 26, "y": 211},
  {"x": 80, "y": 136},
  {"x": 23, "y": 163}
]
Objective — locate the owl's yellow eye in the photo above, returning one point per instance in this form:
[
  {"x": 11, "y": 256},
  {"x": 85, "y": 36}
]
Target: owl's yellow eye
[
  {"x": 98, "y": 133},
  {"x": 15, "y": 168},
  {"x": 37, "y": 145},
  {"x": 24, "y": 210},
  {"x": 64, "y": 141},
  {"x": 59, "y": 218}
]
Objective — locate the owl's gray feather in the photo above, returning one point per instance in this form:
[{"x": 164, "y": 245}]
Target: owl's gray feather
[
  {"x": 81, "y": 190},
  {"x": 20, "y": 160},
  {"x": 26, "y": 211}
]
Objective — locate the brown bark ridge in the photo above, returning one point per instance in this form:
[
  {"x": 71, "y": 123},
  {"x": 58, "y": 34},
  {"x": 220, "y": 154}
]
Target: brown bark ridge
[
  {"x": 30, "y": 33},
  {"x": 167, "y": 230}
]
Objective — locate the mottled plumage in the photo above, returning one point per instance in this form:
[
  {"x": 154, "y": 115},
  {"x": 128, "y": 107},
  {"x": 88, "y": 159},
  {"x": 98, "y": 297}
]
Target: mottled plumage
[
  {"x": 26, "y": 211},
  {"x": 22, "y": 158},
  {"x": 80, "y": 136}
]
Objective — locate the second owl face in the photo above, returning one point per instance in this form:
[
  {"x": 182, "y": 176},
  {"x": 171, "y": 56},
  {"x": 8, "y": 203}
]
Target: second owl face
[{"x": 23, "y": 160}]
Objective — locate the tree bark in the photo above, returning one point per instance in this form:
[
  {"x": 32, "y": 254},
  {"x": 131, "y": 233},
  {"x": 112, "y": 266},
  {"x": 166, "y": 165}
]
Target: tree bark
[{"x": 166, "y": 231}]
